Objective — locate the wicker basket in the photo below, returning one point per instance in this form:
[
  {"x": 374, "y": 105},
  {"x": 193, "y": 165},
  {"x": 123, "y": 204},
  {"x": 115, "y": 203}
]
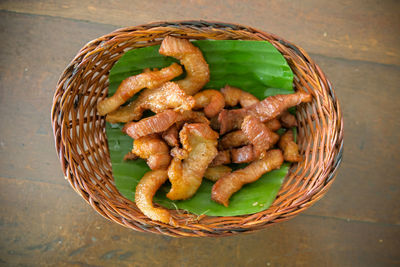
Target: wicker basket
[{"x": 81, "y": 142}]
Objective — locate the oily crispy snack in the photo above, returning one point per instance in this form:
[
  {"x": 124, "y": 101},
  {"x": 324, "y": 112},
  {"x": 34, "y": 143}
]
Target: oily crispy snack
[
  {"x": 179, "y": 153},
  {"x": 130, "y": 156},
  {"x": 233, "y": 139},
  {"x": 191, "y": 116},
  {"x": 245, "y": 154},
  {"x": 259, "y": 135},
  {"x": 167, "y": 96},
  {"x": 273, "y": 124},
  {"x": 134, "y": 84},
  {"x": 238, "y": 138},
  {"x": 197, "y": 71},
  {"x": 211, "y": 100},
  {"x": 289, "y": 147},
  {"x": 265, "y": 110},
  {"x": 273, "y": 106},
  {"x": 186, "y": 175},
  {"x": 154, "y": 124},
  {"x": 231, "y": 119},
  {"x": 288, "y": 120},
  {"x": 145, "y": 191},
  {"x": 173, "y": 102},
  {"x": 234, "y": 96},
  {"x": 223, "y": 157},
  {"x": 171, "y": 136},
  {"x": 227, "y": 185},
  {"x": 154, "y": 149},
  {"x": 215, "y": 173},
  {"x": 214, "y": 123}
]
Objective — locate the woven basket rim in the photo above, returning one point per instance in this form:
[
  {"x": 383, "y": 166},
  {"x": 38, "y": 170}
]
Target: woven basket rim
[{"x": 66, "y": 91}]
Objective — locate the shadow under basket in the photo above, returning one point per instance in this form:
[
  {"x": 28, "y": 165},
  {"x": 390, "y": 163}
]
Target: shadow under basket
[{"x": 81, "y": 141}]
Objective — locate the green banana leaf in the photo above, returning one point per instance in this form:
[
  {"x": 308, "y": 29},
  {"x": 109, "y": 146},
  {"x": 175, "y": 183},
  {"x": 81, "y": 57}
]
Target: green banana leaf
[{"x": 254, "y": 66}]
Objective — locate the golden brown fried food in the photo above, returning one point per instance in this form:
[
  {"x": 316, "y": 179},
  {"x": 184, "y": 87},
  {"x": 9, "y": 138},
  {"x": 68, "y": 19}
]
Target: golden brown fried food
[
  {"x": 186, "y": 175},
  {"x": 189, "y": 116},
  {"x": 233, "y": 139},
  {"x": 179, "y": 153},
  {"x": 273, "y": 106},
  {"x": 145, "y": 191},
  {"x": 227, "y": 185},
  {"x": 211, "y": 100},
  {"x": 155, "y": 150},
  {"x": 171, "y": 136},
  {"x": 197, "y": 71},
  {"x": 231, "y": 119},
  {"x": 161, "y": 122},
  {"x": 214, "y": 173},
  {"x": 214, "y": 123},
  {"x": 259, "y": 135},
  {"x": 234, "y": 96},
  {"x": 130, "y": 156},
  {"x": 192, "y": 116},
  {"x": 245, "y": 154},
  {"x": 238, "y": 138},
  {"x": 123, "y": 114},
  {"x": 265, "y": 110},
  {"x": 288, "y": 120},
  {"x": 154, "y": 124},
  {"x": 167, "y": 96},
  {"x": 289, "y": 147},
  {"x": 134, "y": 84},
  {"x": 223, "y": 157},
  {"x": 273, "y": 125}
]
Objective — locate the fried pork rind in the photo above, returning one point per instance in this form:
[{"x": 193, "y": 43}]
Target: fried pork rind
[
  {"x": 223, "y": 157},
  {"x": 123, "y": 114},
  {"x": 179, "y": 153},
  {"x": 130, "y": 156},
  {"x": 227, "y": 185},
  {"x": 211, "y": 100},
  {"x": 197, "y": 71},
  {"x": 161, "y": 122},
  {"x": 134, "y": 84},
  {"x": 231, "y": 119},
  {"x": 186, "y": 175},
  {"x": 171, "y": 136},
  {"x": 259, "y": 135},
  {"x": 145, "y": 191},
  {"x": 233, "y": 139},
  {"x": 191, "y": 116},
  {"x": 259, "y": 139},
  {"x": 245, "y": 154},
  {"x": 238, "y": 138},
  {"x": 273, "y": 125},
  {"x": 155, "y": 150},
  {"x": 167, "y": 96},
  {"x": 176, "y": 124},
  {"x": 215, "y": 173},
  {"x": 234, "y": 96},
  {"x": 214, "y": 123},
  {"x": 273, "y": 106},
  {"x": 265, "y": 110},
  {"x": 288, "y": 120},
  {"x": 289, "y": 147},
  {"x": 154, "y": 124}
]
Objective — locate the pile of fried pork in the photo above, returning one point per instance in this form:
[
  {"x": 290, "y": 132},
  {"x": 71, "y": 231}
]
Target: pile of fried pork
[{"x": 196, "y": 134}]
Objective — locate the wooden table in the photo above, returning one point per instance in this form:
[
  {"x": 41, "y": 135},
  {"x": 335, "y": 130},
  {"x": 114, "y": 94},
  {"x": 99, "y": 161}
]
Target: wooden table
[{"x": 44, "y": 222}]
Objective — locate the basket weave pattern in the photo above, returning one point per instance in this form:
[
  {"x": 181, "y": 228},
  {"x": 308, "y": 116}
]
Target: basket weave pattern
[{"x": 81, "y": 142}]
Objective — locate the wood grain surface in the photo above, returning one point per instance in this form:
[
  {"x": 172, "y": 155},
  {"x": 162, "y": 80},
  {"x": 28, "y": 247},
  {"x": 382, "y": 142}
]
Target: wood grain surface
[{"x": 44, "y": 222}]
